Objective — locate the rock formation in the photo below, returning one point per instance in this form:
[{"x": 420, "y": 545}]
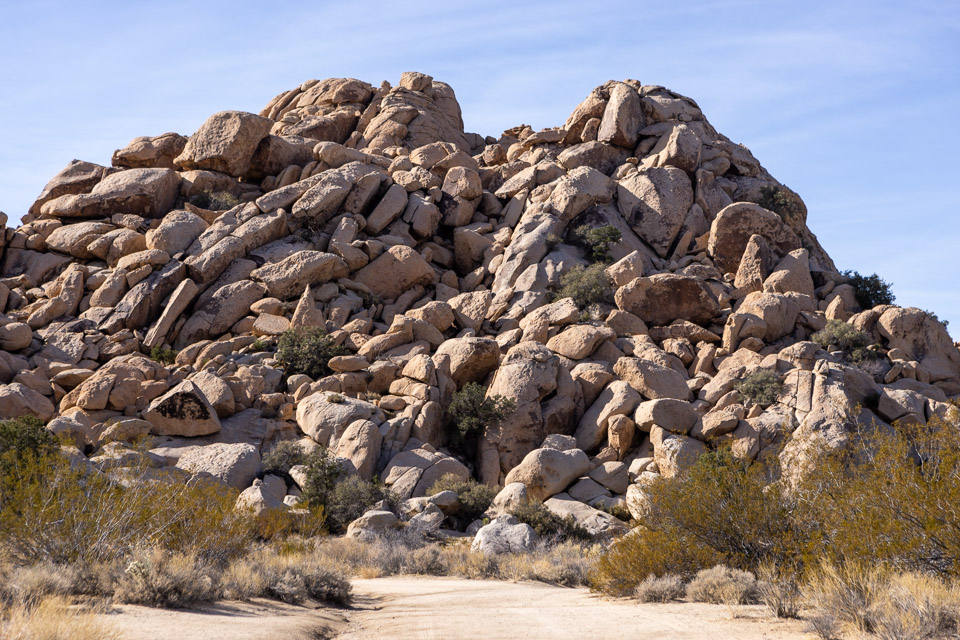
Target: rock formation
[{"x": 432, "y": 256}]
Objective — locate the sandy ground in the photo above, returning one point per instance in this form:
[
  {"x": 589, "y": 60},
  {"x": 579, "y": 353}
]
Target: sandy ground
[
  {"x": 422, "y": 608},
  {"x": 417, "y": 608},
  {"x": 255, "y": 620}
]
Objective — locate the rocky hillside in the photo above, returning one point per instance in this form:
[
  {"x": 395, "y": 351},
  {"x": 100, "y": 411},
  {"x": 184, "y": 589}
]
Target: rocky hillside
[{"x": 433, "y": 257}]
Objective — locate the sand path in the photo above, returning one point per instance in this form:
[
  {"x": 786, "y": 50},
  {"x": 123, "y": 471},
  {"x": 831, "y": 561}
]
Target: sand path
[{"x": 425, "y": 608}]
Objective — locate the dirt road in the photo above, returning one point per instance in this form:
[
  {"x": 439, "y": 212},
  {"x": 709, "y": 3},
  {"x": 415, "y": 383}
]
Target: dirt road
[
  {"x": 424, "y": 608},
  {"x": 420, "y": 608}
]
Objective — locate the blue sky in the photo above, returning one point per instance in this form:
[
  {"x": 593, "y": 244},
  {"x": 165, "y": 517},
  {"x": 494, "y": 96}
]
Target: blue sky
[{"x": 851, "y": 104}]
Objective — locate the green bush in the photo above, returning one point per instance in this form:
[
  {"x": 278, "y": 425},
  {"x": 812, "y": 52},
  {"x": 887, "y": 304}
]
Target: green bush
[
  {"x": 549, "y": 525},
  {"x": 472, "y": 411},
  {"x": 779, "y": 201},
  {"x": 22, "y": 436},
  {"x": 871, "y": 290},
  {"x": 586, "y": 285},
  {"x": 163, "y": 356},
  {"x": 343, "y": 499},
  {"x": 282, "y": 456},
  {"x": 597, "y": 240},
  {"x": 307, "y": 350},
  {"x": 846, "y": 337},
  {"x": 760, "y": 387},
  {"x": 475, "y": 497},
  {"x": 351, "y": 498},
  {"x": 721, "y": 511}
]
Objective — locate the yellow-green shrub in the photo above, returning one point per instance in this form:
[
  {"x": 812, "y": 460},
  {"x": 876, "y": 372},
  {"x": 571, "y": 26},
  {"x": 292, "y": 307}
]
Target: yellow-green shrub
[{"x": 52, "y": 510}]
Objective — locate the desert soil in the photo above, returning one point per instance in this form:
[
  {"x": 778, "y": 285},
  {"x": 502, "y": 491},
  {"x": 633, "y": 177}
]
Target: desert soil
[{"x": 418, "y": 608}]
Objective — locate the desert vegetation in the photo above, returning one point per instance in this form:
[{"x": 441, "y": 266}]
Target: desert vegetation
[{"x": 865, "y": 543}]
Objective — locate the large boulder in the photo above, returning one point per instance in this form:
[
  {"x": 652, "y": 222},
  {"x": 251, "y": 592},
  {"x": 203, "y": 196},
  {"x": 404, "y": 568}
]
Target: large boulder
[
  {"x": 77, "y": 177},
  {"x": 736, "y": 223},
  {"x": 599, "y": 523},
  {"x": 622, "y": 117},
  {"x": 471, "y": 359},
  {"x": 182, "y": 411},
  {"x": 505, "y": 534},
  {"x": 653, "y": 380},
  {"x": 225, "y": 143},
  {"x": 396, "y": 270},
  {"x": 17, "y": 400},
  {"x": 235, "y": 465},
  {"x": 360, "y": 444},
  {"x": 176, "y": 232},
  {"x": 288, "y": 278},
  {"x": 655, "y": 203},
  {"x": 546, "y": 472},
  {"x": 664, "y": 297},
  {"x": 325, "y": 416},
  {"x": 150, "y": 152},
  {"x": 145, "y": 192},
  {"x": 372, "y": 525},
  {"x": 923, "y": 339}
]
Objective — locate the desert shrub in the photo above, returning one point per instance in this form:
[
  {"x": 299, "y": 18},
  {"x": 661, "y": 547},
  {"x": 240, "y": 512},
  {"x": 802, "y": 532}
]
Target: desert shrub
[
  {"x": 596, "y": 240},
  {"x": 644, "y": 552},
  {"x": 159, "y": 578},
  {"x": 321, "y": 475},
  {"x": 54, "y": 511},
  {"x": 723, "y": 585},
  {"x": 890, "y": 496},
  {"x": 844, "y": 336},
  {"x": 307, "y": 350},
  {"x": 779, "y": 590},
  {"x": 343, "y": 498},
  {"x": 779, "y": 201},
  {"x": 721, "y": 511},
  {"x": 54, "y": 619},
  {"x": 472, "y": 411},
  {"x": 549, "y": 525},
  {"x": 292, "y": 578},
  {"x": 21, "y": 438},
  {"x": 474, "y": 497},
  {"x": 586, "y": 285},
  {"x": 282, "y": 456},
  {"x": 351, "y": 498},
  {"x": 567, "y": 564},
  {"x": 660, "y": 589},
  {"x": 31, "y": 584},
  {"x": 214, "y": 200},
  {"x": 914, "y": 607},
  {"x": 163, "y": 356},
  {"x": 258, "y": 345},
  {"x": 761, "y": 387},
  {"x": 824, "y": 624},
  {"x": 871, "y": 290},
  {"x": 848, "y": 592}
]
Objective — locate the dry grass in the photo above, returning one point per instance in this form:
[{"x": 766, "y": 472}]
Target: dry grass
[
  {"x": 292, "y": 578},
  {"x": 779, "y": 591},
  {"x": 158, "y": 578},
  {"x": 565, "y": 564},
  {"x": 660, "y": 589},
  {"x": 53, "y": 619},
  {"x": 723, "y": 585},
  {"x": 883, "y": 602}
]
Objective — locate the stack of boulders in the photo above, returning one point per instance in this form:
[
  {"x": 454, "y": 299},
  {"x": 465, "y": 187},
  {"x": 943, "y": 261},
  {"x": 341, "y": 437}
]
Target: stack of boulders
[{"x": 432, "y": 256}]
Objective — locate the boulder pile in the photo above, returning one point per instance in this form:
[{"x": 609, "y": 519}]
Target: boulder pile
[{"x": 432, "y": 256}]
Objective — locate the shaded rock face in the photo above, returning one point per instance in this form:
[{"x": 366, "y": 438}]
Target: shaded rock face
[{"x": 432, "y": 257}]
